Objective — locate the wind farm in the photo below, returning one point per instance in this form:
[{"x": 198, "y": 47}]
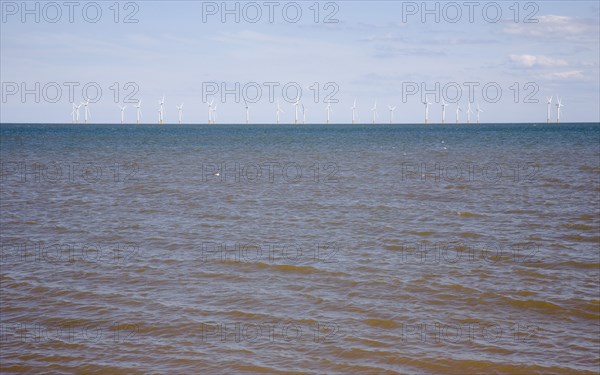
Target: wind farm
[{"x": 300, "y": 112}]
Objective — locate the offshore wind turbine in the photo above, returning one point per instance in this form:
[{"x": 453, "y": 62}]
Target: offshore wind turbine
[
  {"x": 180, "y": 111},
  {"x": 214, "y": 114},
  {"x": 427, "y": 103},
  {"x": 353, "y": 108},
  {"x": 457, "y": 110},
  {"x": 161, "y": 112},
  {"x": 247, "y": 112},
  {"x": 549, "y": 103},
  {"x": 296, "y": 109},
  {"x": 86, "y": 112},
  {"x": 479, "y": 110},
  {"x": 122, "y": 113},
  {"x": 392, "y": 109},
  {"x": 138, "y": 107},
  {"x": 374, "y": 110},
  {"x": 210, "y": 110},
  {"x": 77, "y": 113},
  {"x": 73, "y": 113},
  {"x": 559, "y": 105},
  {"x": 279, "y": 110},
  {"x": 328, "y": 111},
  {"x": 303, "y": 115},
  {"x": 444, "y": 105},
  {"x": 469, "y": 111}
]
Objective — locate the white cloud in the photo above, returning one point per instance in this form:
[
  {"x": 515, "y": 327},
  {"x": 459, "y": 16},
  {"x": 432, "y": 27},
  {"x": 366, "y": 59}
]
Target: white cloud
[
  {"x": 530, "y": 61},
  {"x": 566, "y": 76},
  {"x": 553, "y": 26}
]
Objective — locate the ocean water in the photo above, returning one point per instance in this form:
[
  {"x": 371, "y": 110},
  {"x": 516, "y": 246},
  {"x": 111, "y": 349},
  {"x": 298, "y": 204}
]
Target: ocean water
[{"x": 300, "y": 249}]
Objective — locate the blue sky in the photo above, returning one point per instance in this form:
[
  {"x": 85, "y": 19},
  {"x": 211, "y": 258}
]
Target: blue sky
[{"x": 377, "y": 51}]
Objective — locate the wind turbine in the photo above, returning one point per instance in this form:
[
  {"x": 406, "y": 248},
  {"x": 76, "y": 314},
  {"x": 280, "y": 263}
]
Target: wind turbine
[
  {"x": 374, "y": 110},
  {"x": 559, "y": 105},
  {"x": 479, "y": 110},
  {"x": 122, "y": 113},
  {"x": 77, "y": 112},
  {"x": 392, "y": 109},
  {"x": 247, "y": 112},
  {"x": 139, "y": 111},
  {"x": 457, "y": 110},
  {"x": 73, "y": 113},
  {"x": 353, "y": 108},
  {"x": 549, "y": 103},
  {"x": 328, "y": 111},
  {"x": 469, "y": 111},
  {"x": 279, "y": 110},
  {"x": 161, "y": 115},
  {"x": 296, "y": 109},
  {"x": 87, "y": 111},
  {"x": 214, "y": 114},
  {"x": 210, "y": 110},
  {"x": 444, "y": 105},
  {"x": 427, "y": 103},
  {"x": 180, "y": 111},
  {"x": 303, "y": 115}
]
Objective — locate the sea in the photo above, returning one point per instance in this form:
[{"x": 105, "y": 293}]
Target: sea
[{"x": 300, "y": 249}]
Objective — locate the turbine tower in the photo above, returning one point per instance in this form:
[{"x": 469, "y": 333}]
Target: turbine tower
[
  {"x": 374, "y": 110},
  {"x": 559, "y": 105},
  {"x": 328, "y": 111},
  {"x": 122, "y": 113},
  {"x": 444, "y": 105},
  {"x": 161, "y": 112},
  {"x": 549, "y": 103},
  {"x": 73, "y": 113},
  {"x": 139, "y": 111},
  {"x": 392, "y": 109},
  {"x": 77, "y": 113},
  {"x": 210, "y": 110},
  {"x": 86, "y": 112},
  {"x": 353, "y": 108},
  {"x": 303, "y": 115},
  {"x": 247, "y": 112},
  {"x": 214, "y": 114},
  {"x": 427, "y": 104},
  {"x": 457, "y": 110},
  {"x": 296, "y": 109},
  {"x": 469, "y": 111},
  {"x": 180, "y": 111},
  {"x": 479, "y": 110},
  {"x": 279, "y": 110}
]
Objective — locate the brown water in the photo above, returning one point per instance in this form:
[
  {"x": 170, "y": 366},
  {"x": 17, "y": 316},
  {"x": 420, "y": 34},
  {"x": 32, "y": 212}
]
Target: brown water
[{"x": 397, "y": 250}]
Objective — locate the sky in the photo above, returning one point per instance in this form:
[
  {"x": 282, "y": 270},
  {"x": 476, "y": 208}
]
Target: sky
[{"x": 508, "y": 57}]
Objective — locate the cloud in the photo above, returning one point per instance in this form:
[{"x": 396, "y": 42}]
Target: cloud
[
  {"x": 530, "y": 61},
  {"x": 553, "y": 26},
  {"x": 566, "y": 76}
]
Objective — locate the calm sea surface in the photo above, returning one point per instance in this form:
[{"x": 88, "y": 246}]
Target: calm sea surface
[{"x": 300, "y": 249}]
